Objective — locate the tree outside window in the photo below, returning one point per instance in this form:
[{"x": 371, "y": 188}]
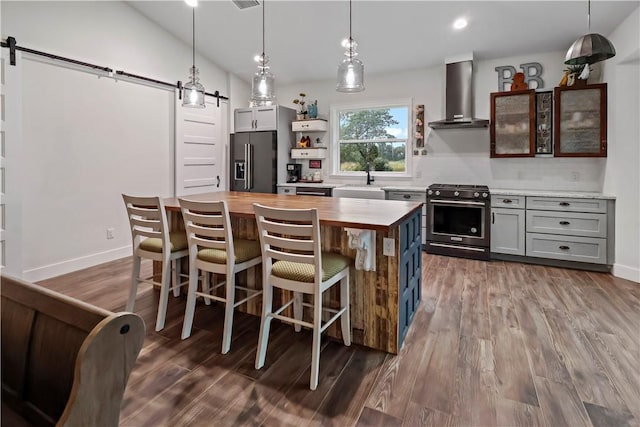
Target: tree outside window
[{"x": 376, "y": 136}]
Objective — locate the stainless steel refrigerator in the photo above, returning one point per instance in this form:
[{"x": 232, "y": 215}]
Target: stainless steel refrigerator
[
  {"x": 260, "y": 148},
  {"x": 254, "y": 162}
]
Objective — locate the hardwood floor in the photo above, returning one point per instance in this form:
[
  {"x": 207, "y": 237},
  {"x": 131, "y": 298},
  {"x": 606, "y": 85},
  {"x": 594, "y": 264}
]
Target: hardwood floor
[{"x": 492, "y": 344}]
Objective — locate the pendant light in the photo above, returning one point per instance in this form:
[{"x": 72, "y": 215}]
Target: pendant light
[
  {"x": 351, "y": 70},
  {"x": 590, "y": 48},
  {"x": 193, "y": 92},
  {"x": 263, "y": 80}
]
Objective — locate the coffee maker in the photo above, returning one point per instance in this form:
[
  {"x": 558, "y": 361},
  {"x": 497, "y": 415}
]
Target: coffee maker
[{"x": 294, "y": 172}]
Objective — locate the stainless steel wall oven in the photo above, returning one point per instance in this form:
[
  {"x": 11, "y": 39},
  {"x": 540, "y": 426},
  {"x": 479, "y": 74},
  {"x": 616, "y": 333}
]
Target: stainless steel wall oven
[{"x": 458, "y": 222}]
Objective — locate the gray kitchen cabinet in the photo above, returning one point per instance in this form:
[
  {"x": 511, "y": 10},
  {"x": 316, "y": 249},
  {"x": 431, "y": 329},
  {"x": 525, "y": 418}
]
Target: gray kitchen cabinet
[
  {"x": 256, "y": 119},
  {"x": 570, "y": 229},
  {"x": 412, "y": 196},
  {"x": 508, "y": 231}
]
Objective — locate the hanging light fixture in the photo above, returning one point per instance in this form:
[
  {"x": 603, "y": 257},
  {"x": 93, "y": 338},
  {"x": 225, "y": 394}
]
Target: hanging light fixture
[
  {"x": 193, "y": 91},
  {"x": 351, "y": 70},
  {"x": 590, "y": 48},
  {"x": 263, "y": 80}
]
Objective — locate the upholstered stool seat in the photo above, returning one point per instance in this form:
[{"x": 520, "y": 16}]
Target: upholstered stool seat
[
  {"x": 244, "y": 251},
  {"x": 177, "y": 241},
  {"x": 332, "y": 264}
]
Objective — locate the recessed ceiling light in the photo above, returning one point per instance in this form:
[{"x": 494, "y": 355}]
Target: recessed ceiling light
[
  {"x": 192, "y": 3},
  {"x": 460, "y": 23}
]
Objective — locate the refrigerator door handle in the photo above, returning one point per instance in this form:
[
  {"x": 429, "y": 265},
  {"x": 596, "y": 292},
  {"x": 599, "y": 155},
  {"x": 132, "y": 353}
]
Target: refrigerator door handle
[
  {"x": 250, "y": 168},
  {"x": 246, "y": 163}
]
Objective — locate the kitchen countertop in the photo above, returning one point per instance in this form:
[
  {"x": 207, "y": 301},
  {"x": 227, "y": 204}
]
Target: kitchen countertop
[
  {"x": 551, "y": 193},
  {"x": 340, "y": 212}
]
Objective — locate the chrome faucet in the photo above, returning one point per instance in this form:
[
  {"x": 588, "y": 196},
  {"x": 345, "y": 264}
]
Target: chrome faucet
[{"x": 370, "y": 179}]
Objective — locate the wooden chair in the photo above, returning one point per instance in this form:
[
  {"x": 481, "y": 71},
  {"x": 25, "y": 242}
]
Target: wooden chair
[
  {"x": 153, "y": 240},
  {"x": 64, "y": 362},
  {"x": 213, "y": 249},
  {"x": 291, "y": 255}
]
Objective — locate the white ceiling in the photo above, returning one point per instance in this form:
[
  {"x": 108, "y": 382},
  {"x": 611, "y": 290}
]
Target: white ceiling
[{"x": 303, "y": 36}]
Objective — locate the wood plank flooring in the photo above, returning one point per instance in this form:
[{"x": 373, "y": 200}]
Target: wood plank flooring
[{"x": 493, "y": 343}]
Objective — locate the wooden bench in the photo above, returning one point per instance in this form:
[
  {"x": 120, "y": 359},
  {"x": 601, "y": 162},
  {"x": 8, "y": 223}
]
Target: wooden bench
[{"x": 64, "y": 362}]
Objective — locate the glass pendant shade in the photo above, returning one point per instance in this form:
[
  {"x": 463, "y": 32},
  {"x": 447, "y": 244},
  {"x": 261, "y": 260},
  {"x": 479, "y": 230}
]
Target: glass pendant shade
[
  {"x": 350, "y": 75},
  {"x": 193, "y": 91},
  {"x": 262, "y": 84},
  {"x": 589, "y": 49}
]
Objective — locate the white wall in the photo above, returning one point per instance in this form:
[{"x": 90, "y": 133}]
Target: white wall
[
  {"x": 86, "y": 139},
  {"x": 462, "y": 155},
  {"x": 622, "y": 177}
]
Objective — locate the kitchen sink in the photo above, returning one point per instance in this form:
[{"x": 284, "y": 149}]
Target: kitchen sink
[{"x": 359, "y": 192}]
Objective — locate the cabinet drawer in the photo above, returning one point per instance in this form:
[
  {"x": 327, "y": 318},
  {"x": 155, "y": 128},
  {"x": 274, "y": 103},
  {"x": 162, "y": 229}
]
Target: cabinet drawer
[
  {"x": 569, "y": 223},
  {"x": 567, "y": 204},
  {"x": 309, "y": 126},
  {"x": 308, "y": 153},
  {"x": 287, "y": 190},
  {"x": 407, "y": 196},
  {"x": 568, "y": 248},
  {"x": 514, "y": 202}
]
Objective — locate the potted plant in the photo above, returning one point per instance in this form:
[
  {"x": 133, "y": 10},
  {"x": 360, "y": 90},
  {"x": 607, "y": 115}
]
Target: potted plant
[{"x": 301, "y": 114}]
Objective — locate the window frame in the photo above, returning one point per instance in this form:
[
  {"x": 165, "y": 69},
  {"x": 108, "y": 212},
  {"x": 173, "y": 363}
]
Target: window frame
[{"x": 336, "y": 109}]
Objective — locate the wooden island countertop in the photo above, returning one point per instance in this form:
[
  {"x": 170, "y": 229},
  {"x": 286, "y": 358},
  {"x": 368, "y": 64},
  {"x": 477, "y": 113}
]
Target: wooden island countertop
[
  {"x": 382, "y": 301},
  {"x": 341, "y": 212}
]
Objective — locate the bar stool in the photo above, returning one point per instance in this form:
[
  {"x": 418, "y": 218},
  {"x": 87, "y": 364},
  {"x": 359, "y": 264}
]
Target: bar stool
[
  {"x": 213, "y": 249},
  {"x": 152, "y": 240},
  {"x": 290, "y": 240}
]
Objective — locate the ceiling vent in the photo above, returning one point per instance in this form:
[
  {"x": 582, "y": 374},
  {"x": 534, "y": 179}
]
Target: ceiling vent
[{"x": 245, "y": 4}]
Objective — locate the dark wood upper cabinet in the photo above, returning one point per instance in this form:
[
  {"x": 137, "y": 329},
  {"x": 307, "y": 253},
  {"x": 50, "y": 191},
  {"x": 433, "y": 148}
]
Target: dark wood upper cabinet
[
  {"x": 580, "y": 121},
  {"x": 513, "y": 129}
]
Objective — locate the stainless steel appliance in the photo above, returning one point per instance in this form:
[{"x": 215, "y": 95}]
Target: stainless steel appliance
[
  {"x": 294, "y": 172},
  {"x": 254, "y": 162},
  {"x": 458, "y": 220}
]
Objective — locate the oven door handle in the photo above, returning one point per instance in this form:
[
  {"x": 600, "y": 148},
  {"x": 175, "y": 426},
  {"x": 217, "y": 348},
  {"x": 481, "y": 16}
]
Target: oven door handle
[
  {"x": 310, "y": 193},
  {"x": 457, "y": 202}
]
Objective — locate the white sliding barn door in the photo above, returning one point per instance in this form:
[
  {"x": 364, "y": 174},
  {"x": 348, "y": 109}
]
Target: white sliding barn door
[
  {"x": 201, "y": 136},
  {"x": 10, "y": 157}
]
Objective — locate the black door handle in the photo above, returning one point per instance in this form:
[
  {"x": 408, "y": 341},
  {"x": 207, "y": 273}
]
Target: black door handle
[
  {"x": 564, "y": 223},
  {"x": 493, "y": 217},
  {"x": 564, "y": 248},
  {"x": 218, "y": 179},
  {"x": 565, "y": 204}
]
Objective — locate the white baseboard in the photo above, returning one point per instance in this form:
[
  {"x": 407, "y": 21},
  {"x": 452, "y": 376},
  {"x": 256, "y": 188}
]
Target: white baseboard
[
  {"x": 626, "y": 272},
  {"x": 68, "y": 266}
]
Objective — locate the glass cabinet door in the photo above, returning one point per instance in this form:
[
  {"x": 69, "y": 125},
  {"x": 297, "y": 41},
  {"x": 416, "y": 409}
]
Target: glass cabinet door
[
  {"x": 580, "y": 122},
  {"x": 513, "y": 130}
]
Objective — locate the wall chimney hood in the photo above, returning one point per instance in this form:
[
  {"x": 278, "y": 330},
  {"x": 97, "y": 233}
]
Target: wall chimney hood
[{"x": 459, "y": 96}]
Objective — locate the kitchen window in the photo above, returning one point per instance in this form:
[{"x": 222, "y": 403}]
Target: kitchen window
[{"x": 376, "y": 135}]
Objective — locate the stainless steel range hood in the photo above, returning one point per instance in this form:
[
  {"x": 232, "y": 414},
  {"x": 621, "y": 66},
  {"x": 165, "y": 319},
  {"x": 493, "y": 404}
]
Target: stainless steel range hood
[{"x": 459, "y": 98}]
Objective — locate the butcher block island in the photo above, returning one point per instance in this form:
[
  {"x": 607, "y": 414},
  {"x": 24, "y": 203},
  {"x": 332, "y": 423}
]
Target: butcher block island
[{"x": 382, "y": 301}]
